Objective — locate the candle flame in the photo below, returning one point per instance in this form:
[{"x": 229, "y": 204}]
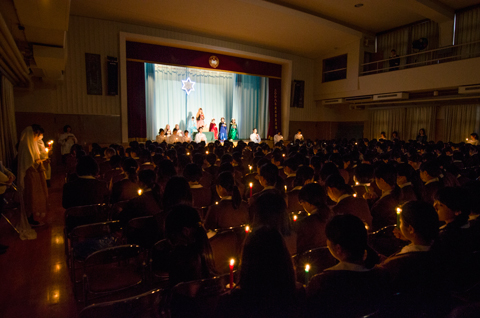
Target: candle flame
[
  {"x": 285, "y": 188},
  {"x": 46, "y": 149},
  {"x": 206, "y": 152},
  {"x": 357, "y": 183},
  {"x": 355, "y": 143},
  {"x": 251, "y": 185},
  {"x": 216, "y": 202},
  {"x": 307, "y": 268},
  {"x": 283, "y": 155},
  {"x": 399, "y": 210},
  {"x": 354, "y": 195},
  {"x": 247, "y": 228},
  {"x": 232, "y": 262},
  {"x": 140, "y": 191},
  {"x": 188, "y": 154},
  {"x": 295, "y": 217},
  {"x": 366, "y": 227}
]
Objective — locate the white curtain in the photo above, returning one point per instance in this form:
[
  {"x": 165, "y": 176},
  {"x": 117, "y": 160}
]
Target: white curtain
[
  {"x": 461, "y": 121},
  {"x": 388, "y": 121},
  {"x": 213, "y": 93},
  {"x": 429, "y": 31},
  {"x": 166, "y": 102},
  {"x": 467, "y": 30},
  {"x": 397, "y": 40},
  {"x": 8, "y": 128},
  {"x": 418, "y": 118},
  {"x": 219, "y": 94}
]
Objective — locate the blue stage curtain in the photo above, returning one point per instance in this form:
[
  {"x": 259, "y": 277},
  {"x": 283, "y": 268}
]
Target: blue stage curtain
[
  {"x": 213, "y": 93},
  {"x": 219, "y": 94}
]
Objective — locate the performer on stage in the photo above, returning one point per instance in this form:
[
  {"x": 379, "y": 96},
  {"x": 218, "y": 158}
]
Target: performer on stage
[
  {"x": 213, "y": 128},
  {"x": 179, "y": 131},
  {"x": 233, "y": 132},
  {"x": 278, "y": 137},
  {"x": 200, "y": 118},
  {"x": 192, "y": 126},
  {"x": 255, "y": 137},
  {"x": 168, "y": 132},
  {"x": 200, "y": 136},
  {"x": 223, "y": 129},
  {"x": 161, "y": 136}
]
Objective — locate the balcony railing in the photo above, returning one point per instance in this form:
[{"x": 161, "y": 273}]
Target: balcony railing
[{"x": 441, "y": 55}]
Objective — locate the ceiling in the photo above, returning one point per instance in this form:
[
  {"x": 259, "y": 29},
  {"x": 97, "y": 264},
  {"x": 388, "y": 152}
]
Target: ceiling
[{"x": 307, "y": 28}]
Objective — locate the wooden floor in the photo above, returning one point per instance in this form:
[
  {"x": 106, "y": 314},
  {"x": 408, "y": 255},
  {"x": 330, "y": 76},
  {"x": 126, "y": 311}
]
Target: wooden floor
[{"x": 34, "y": 279}]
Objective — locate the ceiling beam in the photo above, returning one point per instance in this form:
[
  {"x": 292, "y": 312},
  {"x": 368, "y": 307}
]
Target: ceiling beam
[{"x": 431, "y": 9}]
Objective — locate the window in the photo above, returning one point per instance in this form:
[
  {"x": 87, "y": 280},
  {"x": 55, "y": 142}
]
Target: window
[{"x": 334, "y": 68}]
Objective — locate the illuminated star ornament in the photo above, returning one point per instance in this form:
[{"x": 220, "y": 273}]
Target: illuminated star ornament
[{"x": 188, "y": 85}]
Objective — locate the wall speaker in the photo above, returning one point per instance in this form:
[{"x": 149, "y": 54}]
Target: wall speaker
[{"x": 112, "y": 71}]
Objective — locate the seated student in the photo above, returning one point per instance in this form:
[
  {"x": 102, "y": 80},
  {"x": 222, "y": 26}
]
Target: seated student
[
  {"x": 174, "y": 137},
  {"x": 200, "y": 136},
  {"x": 384, "y": 209},
  {"x": 127, "y": 188},
  {"x": 255, "y": 137},
  {"x": 105, "y": 165},
  {"x": 268, "y": 178},
  {"x": 231, "y": 211},
  {"x": 455, "y": 241},
  {"x": 266, "y": 287},
  {"x": 311, "y": 230},
  {"x": 410, "y": 270},
  {"x": 161, "y": 136},
  {"x": 191, "y": 257},
  {"x": 346, "y": 202},
  {"x": 350, "y": 288},
  {"x": 304, "y": 176},
  {"x": 290, "y": 167},
  {"x": 277, "y": 138},
  {"x": 85, "y": 190},
  {"x": 149, "y": 202},
  {"x": 202, "y": 196},
  {"x": 405, "y": 174},
  {"x": 269, "y": 209},
  {"x": 186, "y": 136},
  {"x": 298, "y": 136},
  {"x": 429, "y": 173}
]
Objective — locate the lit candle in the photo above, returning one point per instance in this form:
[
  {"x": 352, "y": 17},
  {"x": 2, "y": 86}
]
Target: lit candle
[
  {"x": 216, "y": 202},
  {"x": 140, "y": 191},
  {"x": 251, "y": 187},
  {"x": 354, "y": 195},
  {"x": 307, "y": 270},
  {"x": 295, "y": 217},
  {"x": 188, "y": 154},
  {"x": 355, "y": 143},
  {"x": 283, "y": 155},
  {"x": 466, "y": 139},
  {"x": 232, "y": 262},
  {"x": 285, "y": 188},
  {"x": 247, "y": 229},
  {"x": 250, "y": 168},
  {"x": 206, "y": 152},
  {"x": 399, "y": 211},
  {"x": 46, "y": 149},
  {"x": 357, "y": 183}
]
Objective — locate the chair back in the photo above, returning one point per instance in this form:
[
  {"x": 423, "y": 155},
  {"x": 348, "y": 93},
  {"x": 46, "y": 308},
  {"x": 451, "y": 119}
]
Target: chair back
[
  {"x": 147, "y": 305},
  {"x": 113, "y": 269},
  {"x": 227, "y": 244},
  {"x": 198, "y": 298},
  {"x": 143, "y": 231},
  {"x": 81, "y": 215},
  {"x": 384, "y": 241},
  {"x": 318, "y": 258}
]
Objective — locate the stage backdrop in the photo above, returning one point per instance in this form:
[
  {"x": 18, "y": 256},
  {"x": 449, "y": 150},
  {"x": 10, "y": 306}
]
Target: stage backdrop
[{"x": 219, "y": 94}]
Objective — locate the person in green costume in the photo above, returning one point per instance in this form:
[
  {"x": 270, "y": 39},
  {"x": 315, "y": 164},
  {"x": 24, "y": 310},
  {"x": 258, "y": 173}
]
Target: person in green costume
[{"x": 233, "y": 131}]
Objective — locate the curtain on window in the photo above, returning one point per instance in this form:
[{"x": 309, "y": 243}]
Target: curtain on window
[
  {"x": 387, "y": 120},
  {"x": 461, "y": 121},
  {"x": 398, "y": 40},
  {"x": 467, "y": 30},
  {"x": 8, "y": 128},
  {"x": 417, "y": 118},
  {"x": 424, "y": 30}
]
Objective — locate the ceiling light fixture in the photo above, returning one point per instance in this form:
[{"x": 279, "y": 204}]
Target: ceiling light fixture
[{"x": 359, "y": 5}]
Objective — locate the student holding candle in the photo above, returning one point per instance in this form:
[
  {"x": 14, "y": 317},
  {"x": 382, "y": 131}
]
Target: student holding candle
[
  {"x": 350, "y": 288},
  {"x": 266, "y": 286},
  {"x": 411, "y": 268}
]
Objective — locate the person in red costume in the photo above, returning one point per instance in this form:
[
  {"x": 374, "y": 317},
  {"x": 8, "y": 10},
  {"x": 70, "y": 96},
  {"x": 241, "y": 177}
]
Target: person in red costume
[{"x": 213, "y": 128}]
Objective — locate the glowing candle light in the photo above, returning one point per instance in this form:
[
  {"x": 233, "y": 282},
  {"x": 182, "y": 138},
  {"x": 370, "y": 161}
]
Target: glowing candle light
[
  {"x": 46, "y": 149},
  {"x": 140, "y": 191},
  {"x": 247, "y": 229},
  {"x": 283, "y": 155},
  {"x": 251, "y": 188},
  {"x": 307, "y": 271},
  {"x": 285, "y": 188},
  {"x": 250, "y": 168},
  {"x": 355, "y": 143},
  {"x": 232, "y": 262},
  {"x": 354, "y": 195},
  {"x": 399, "y": 211},
  {"x": 216, "y": 202},
  {"x": 357, "y": 183},
  {"x": 206, "y": 152},
  {"x": 295, "y": 217},
  {"x": 188, "y": 154}
]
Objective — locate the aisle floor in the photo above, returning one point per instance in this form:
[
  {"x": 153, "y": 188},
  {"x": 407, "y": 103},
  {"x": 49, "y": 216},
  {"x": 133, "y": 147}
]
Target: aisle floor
[{"x": 34, "y": 278}]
